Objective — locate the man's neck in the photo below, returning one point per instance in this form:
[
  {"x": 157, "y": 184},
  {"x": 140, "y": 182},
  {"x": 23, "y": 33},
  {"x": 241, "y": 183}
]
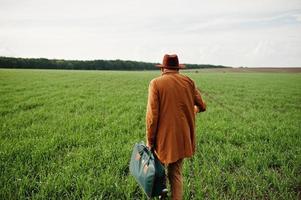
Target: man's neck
[{"x": 166, "y": 71}]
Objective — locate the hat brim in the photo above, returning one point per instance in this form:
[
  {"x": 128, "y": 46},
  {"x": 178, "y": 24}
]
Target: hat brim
[{"x": 180, "y": 66}]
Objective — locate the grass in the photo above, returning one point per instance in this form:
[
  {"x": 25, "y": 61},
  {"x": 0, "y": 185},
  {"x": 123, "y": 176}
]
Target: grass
[{"x": 69, "y": 135}]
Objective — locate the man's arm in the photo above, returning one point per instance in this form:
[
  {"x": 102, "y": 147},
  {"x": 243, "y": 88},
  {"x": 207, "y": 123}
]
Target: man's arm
[
  {"x": 200, "y": 105},
  {"x": 152, "y": 114}
]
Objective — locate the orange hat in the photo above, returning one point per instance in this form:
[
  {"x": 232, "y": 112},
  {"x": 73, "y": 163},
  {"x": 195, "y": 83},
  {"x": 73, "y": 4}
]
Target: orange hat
[{"x": 171, "y": 62}]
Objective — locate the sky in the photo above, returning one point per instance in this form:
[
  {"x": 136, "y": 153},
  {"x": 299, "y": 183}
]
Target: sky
[{"x": 249, "y": 33}]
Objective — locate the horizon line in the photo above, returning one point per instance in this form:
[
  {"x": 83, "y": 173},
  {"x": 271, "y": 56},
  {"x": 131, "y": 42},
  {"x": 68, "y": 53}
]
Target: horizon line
[{"x": 117, "y": 59}]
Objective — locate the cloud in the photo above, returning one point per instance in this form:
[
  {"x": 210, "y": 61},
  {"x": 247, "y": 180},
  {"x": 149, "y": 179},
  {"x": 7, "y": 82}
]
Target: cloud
[{"x": 250, "y": 32}]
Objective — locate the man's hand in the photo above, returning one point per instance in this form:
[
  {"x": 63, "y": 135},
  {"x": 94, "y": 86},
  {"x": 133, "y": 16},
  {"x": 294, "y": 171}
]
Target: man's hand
[
  {"x": 148, "y": 145},
  {"x": 196, "y": 109}
]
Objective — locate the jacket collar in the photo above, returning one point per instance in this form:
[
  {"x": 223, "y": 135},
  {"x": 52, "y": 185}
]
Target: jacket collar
[{"x": 169, "y": 71}]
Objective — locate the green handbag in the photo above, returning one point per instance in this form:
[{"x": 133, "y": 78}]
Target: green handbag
[{"x": 147, "y": 170}]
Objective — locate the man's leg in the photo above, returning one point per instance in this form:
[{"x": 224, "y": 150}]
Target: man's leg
[{"x": 174, "y": 172}]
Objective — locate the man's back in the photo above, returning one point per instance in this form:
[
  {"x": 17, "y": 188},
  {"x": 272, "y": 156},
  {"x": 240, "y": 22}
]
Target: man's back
[{"x": 171, "y": 101}]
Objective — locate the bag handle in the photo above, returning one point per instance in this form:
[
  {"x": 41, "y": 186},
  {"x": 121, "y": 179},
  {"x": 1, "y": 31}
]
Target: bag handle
[{"x": 143, "y": 148}]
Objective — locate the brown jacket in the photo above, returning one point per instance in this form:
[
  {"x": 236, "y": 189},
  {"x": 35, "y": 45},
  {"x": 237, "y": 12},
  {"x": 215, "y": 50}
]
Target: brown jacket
[{"x": 170, "y": 116}]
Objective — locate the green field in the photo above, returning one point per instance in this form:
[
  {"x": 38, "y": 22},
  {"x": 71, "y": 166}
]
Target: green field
[{"x": 69, "y": 135}]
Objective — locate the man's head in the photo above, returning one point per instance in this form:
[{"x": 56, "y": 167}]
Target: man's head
[{"x": 170, "y": 62}]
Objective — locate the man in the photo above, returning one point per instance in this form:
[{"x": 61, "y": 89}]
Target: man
[{"x": 173, "y": 101}]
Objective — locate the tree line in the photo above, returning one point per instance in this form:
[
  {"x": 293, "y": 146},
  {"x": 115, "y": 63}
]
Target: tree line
[{"x": 43, "y": 63}]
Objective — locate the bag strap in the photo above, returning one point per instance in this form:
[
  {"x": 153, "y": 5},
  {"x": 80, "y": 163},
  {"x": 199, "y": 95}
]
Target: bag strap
[{"x": 142, "y": 148}]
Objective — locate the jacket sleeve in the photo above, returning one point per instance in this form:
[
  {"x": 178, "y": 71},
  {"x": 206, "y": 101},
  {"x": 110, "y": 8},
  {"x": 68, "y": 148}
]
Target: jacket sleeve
[
  {"x": 198, "y": 101},
  {"x": 152, "y": 114}
]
